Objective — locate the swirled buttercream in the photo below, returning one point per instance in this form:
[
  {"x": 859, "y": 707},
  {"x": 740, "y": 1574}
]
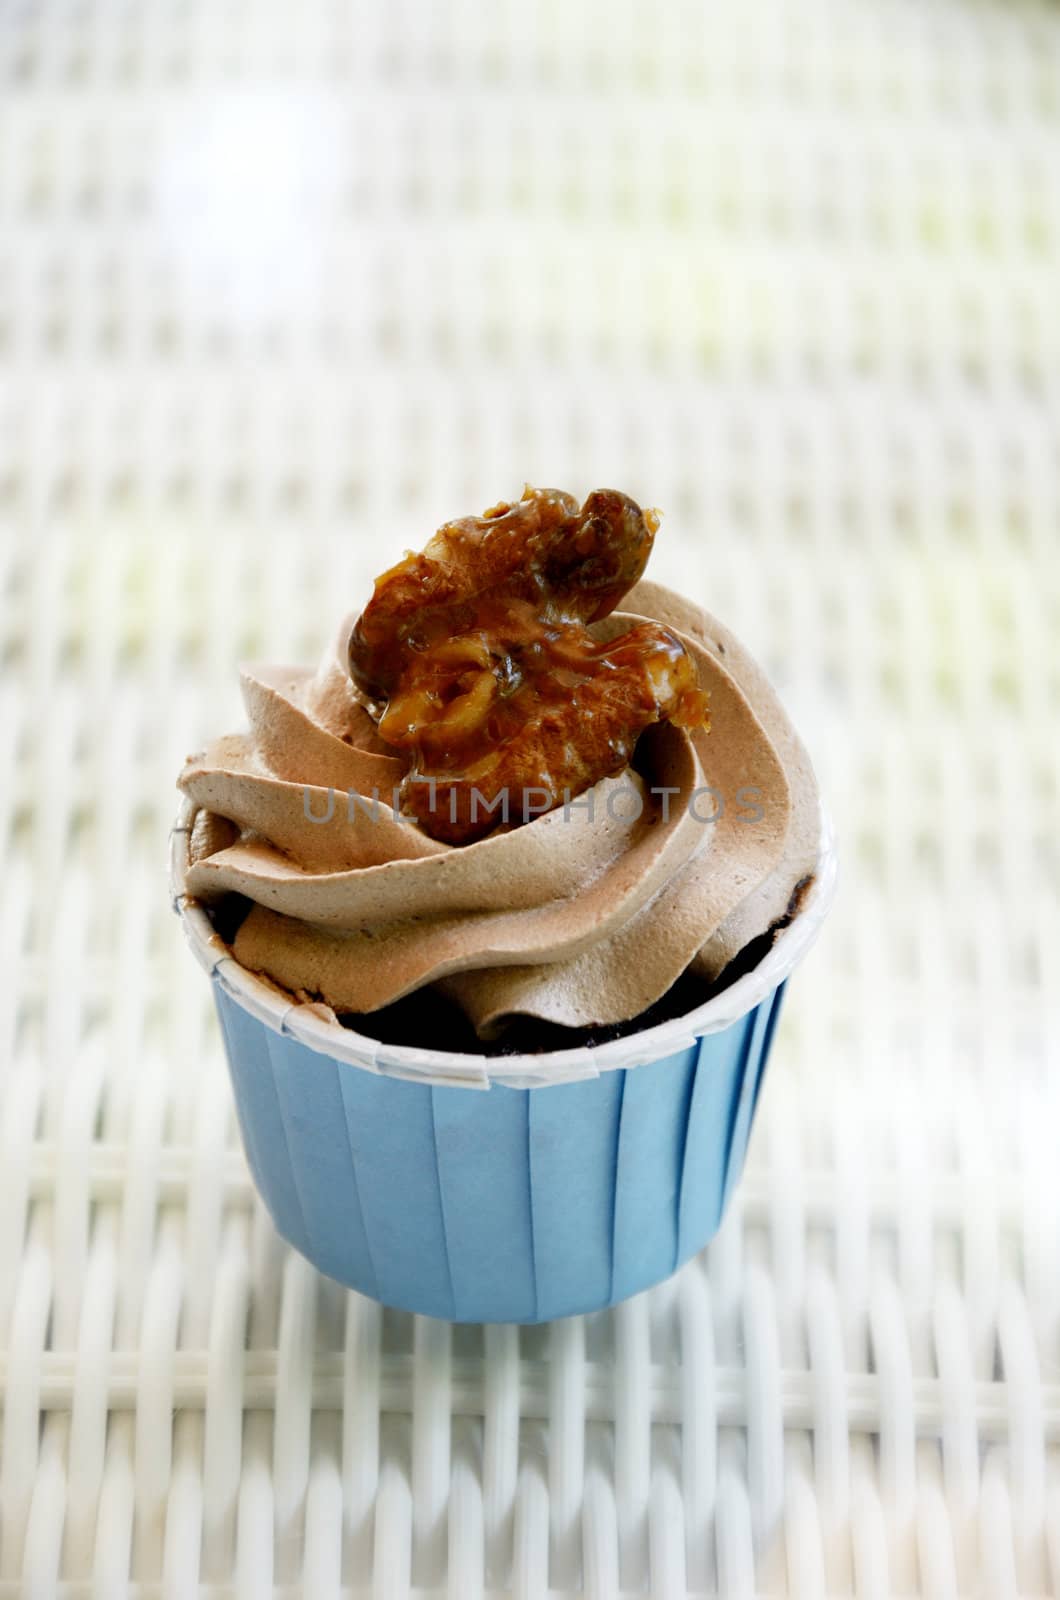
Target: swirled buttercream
[{"x": 583, "y": 917}]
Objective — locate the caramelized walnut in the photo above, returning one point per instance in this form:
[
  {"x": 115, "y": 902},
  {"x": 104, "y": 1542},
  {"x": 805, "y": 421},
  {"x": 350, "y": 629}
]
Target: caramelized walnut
[
  {"x": 569, "y": 564},
  {"x": 479, "y": 657}
]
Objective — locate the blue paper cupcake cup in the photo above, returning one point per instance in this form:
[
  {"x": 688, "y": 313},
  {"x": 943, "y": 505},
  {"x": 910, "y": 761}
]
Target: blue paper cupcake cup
[{"x": 507, "y": 1189}]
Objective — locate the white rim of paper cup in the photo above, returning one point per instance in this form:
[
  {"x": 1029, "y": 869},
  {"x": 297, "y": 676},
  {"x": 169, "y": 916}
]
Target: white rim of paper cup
[{"x": 307, "y": 1023}]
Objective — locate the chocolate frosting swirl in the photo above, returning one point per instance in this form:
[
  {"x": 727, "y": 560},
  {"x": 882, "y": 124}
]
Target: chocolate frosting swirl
[{"x": 584, "y": 916}]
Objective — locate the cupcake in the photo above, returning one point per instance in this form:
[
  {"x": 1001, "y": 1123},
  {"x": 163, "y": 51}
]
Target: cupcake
[{"x": 534, "y": 826}]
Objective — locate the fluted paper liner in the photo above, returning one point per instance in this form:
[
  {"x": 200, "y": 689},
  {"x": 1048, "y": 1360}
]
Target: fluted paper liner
[{"x": 581, "y": 1177}]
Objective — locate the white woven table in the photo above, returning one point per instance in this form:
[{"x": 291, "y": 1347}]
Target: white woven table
[{"x": 282, "y": 287}]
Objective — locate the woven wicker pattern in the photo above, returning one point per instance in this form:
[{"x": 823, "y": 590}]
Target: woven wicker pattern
[{"x": 283, "y": 286}]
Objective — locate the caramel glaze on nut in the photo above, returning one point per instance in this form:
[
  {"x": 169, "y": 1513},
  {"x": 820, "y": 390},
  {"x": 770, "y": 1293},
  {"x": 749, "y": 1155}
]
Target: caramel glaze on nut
[{"x": 477, "y": 660}]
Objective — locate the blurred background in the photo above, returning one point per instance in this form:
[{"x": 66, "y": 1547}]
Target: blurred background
[{"x": 281, "y": 289}]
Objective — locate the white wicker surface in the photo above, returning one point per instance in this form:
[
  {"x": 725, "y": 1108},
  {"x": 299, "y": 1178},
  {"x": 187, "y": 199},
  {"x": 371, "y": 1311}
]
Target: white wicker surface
[{"x": 284, "y": 285}]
